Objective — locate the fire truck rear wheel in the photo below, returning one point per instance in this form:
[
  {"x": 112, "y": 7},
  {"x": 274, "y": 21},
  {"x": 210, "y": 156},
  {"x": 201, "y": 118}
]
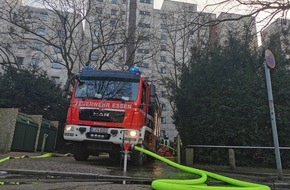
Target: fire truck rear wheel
[{"x": 80, "y": 152}]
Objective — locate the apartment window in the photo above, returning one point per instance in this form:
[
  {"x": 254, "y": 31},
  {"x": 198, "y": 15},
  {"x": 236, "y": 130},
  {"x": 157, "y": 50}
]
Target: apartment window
[
  {"x": 110, "y": 60},
  {"x": 56, "y": 79},
  {"x": 99, "y": 10},
  {"x": 162, "y": 47},
  {"x": 163, "y": 26},
  {"x": 144, "y": 51},
  {"x": 98, "y": 21},
  {"x": 163, "y": 107},
  {"x": 94, "y": 58},
  {"x": 163, "y": 94},
  {"x": 63, "y": 18},
  {"x": 21, "y": 45},
  {"x": 162, "y": 58},
  {"x": 163, "y": 120},
  {"x": 37, "y": 46},
  {"x": 19, "y": 60},
  {"x": 163, "y": 37},
  {"x": 61, "y": 34},
  {"x": 112, "y": 23},
  {"x": 162, "y": 82},
  {"x": 144, "y": 65},
  {"x": 29, "y": 14},
  {"x": 163, "y": 16},
  {"x": 56, "y": 64},
  {"x": 114, "y": 12},
  {"x": 124, "y": 1},
  {"x": 97, "y": 33},
  {"x": 43, "y": 16},
  {"x": 57, "y": 49},
  {"x": 114, "y": 1},
  {"x": 110, "y": 47},
  {"x": 40, "y": 31},
  {"x": 100, "y": 1},
  {"x": 35, "y": 61},
  {"x": 163, "y": 70},
  {"x": 144, "y": 38},
  {"x": 145, "y": 1},
  {"x": 95, "y": 45},
  {"x": 147, "y": 13},
  {"x": 162, "y": 133},
  {"x": 122, "y": 23},
  {"x": 144, "y": 25},
  {"x": 113, "y": 39}
]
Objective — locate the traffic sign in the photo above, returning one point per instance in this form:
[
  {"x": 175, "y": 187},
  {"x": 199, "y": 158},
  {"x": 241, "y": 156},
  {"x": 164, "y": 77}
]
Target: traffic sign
[{"x": 270, "y": 59}]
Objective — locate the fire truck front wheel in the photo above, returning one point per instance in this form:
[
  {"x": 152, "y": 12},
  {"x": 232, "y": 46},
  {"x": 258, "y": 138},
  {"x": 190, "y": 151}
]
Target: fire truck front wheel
[
  {"x": 138, "y": 158},
  {"x": 80, "y": 152}
]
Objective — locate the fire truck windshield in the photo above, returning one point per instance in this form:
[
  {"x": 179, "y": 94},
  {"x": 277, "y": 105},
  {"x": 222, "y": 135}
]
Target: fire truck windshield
[{"x": 107, "y": 89}]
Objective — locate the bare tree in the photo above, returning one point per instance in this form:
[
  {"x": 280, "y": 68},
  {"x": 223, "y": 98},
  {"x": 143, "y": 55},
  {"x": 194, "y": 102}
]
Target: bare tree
[
  {"x": 176, "y": 38},
  {"x": 50, "y": 34},
  {"x": 72, "y": 33},
  {"x": 264, "y": 11}
]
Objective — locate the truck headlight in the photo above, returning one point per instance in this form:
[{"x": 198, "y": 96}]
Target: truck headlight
[
  {"x": 131, "y": 134},
  {"x": 69, "y": 128}
]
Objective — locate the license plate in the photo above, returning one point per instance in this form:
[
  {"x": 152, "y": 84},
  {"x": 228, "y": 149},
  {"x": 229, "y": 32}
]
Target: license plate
[{"x": 98, "y": 130}]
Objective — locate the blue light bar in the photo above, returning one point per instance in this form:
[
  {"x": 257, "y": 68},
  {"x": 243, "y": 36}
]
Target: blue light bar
[
  {"x": 135, "y": 70},
  {"x": 87, "y": 68}
]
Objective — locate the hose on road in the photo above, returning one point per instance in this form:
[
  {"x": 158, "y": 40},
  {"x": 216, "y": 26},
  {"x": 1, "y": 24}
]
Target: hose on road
[{"x": 199, "y": 183}]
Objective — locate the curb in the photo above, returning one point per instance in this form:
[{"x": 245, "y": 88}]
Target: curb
[{"x": 97, "y": 177}]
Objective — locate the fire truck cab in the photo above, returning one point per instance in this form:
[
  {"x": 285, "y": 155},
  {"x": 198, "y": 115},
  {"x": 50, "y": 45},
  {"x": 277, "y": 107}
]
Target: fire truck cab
[{"x": 109, "y": 108}]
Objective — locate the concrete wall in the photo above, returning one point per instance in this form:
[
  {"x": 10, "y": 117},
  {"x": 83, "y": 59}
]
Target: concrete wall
[{"x": 8, "y": 118}]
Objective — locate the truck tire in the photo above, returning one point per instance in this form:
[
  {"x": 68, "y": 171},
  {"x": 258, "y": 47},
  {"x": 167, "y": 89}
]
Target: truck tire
[
  {"x": 138, "y": 158},
  {"x": 80, "y": 152}
]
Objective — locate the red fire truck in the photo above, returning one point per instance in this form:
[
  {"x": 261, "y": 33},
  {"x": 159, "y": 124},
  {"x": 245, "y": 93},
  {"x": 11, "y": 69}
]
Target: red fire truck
[{"x": 109, "y": 108}]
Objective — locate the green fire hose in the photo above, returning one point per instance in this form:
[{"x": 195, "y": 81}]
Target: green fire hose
[
  {"x": 199, "y": 183},
  {"x": 47, "y": 155}
]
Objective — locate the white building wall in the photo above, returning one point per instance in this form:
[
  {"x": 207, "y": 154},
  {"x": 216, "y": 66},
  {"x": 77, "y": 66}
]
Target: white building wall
[
  {"x": 280, "y": 27},
  {"x": 237, "y": 26}
]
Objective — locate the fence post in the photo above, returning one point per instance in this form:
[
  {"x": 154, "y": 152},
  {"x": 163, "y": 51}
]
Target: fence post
[
  {"x": 232, "y": 159},
  {"x": 178, "y": 149}
]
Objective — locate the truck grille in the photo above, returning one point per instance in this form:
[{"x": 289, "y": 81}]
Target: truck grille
[{"x": 101, "y": 115}]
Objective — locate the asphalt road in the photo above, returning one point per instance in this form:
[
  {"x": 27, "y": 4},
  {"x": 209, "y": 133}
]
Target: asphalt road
[{"x": 58, "y": 173}]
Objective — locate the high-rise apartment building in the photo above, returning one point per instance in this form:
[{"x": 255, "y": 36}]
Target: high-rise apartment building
[
  {"x": 139, "y": 35},
  {"x": 280, "y": 30},
  {"x": 237, "y": 25},
  {"x": 41, "y": 37},
  {"x": 117, "y": 34}
]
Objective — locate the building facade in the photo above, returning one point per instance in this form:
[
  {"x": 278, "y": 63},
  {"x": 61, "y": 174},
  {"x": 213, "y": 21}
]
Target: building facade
[
  {"x": 118, "y": 34},
  {"x": 280, "y": 28}
]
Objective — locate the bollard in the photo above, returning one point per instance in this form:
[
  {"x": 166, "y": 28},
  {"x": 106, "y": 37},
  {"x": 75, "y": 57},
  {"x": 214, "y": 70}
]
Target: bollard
[
  {"x": 232, "y": 159},
  {"x": 189, "y": 156}
]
